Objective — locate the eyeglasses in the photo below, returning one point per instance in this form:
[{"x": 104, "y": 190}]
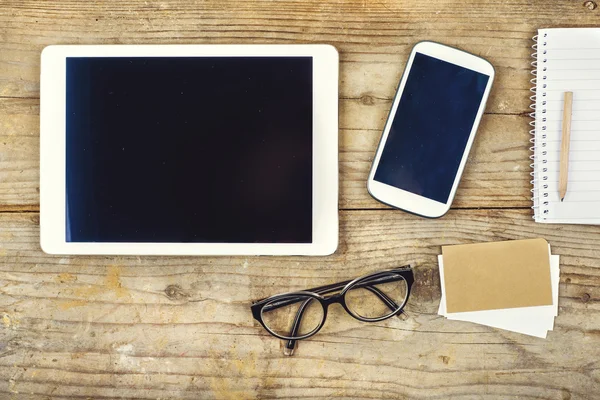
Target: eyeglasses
[{"x": 299, "y": 315}]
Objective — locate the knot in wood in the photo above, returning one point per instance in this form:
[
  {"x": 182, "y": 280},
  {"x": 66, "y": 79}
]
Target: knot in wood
[
  {"x": 175, "y": 292},
  {"x": 367, "y": 100},
  {"x": 590, "y": 5},
  {"x": 445, "y": 359},
  {"x": 585, "y": 297}
]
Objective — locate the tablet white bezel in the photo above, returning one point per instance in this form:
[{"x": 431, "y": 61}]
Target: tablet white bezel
[
  {"x": 53, "y": 150},
  {"x": 406, "y": 200}
]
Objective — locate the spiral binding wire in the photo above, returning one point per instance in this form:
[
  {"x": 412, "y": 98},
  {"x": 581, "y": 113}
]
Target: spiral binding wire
[{"x": 538, "y": 133}]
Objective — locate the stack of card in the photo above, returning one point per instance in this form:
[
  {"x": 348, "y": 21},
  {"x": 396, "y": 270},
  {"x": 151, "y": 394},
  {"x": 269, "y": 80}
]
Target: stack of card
[{"x": 509, "y": 285}]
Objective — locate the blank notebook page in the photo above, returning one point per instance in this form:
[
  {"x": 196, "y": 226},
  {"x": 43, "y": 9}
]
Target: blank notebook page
[{"x": 567, "y": 60}]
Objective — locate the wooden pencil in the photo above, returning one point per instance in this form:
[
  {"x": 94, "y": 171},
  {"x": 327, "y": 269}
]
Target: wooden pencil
[{"x": 565, "y": 144}]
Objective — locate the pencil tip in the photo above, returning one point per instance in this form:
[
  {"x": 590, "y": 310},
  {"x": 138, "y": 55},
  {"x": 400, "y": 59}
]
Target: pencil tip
[{"x": 561, "y": 199}]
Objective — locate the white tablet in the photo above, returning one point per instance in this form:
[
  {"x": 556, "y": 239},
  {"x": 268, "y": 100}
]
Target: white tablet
[{"x": 189, "y": 150}]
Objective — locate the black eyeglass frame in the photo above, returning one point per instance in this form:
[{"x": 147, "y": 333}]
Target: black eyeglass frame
[{"x": 366, "y": 281}]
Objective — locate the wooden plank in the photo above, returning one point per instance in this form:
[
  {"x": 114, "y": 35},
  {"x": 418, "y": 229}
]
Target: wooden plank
[
  {"x": 374, "y": 38},
  {"x": 180, "y": 327},
  {"x": 19, "y": 154},
  {"x": 497, "y": 174}
]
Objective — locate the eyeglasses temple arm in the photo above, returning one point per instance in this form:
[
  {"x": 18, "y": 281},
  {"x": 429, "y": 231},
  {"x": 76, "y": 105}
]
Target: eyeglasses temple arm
[
  {"x": 329, "y": 289},
  {"x": 291, "y": 344},
  {"x": 383, "y": 297}
]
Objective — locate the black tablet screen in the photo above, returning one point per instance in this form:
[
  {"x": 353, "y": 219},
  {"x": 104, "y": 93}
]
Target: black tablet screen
[{"x": 190, "y": 149}]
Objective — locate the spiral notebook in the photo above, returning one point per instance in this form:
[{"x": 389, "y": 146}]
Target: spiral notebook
[{"x": 566, "y": 59}]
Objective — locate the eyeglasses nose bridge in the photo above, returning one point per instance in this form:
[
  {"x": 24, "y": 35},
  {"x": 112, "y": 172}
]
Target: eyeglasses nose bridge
[{"x": 336, "y": 298}]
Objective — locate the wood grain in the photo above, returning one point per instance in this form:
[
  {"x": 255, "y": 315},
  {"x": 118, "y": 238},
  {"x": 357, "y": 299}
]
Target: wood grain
[
  {"x": 180, "y": 327},
  {"x": 19, "y": 154}
]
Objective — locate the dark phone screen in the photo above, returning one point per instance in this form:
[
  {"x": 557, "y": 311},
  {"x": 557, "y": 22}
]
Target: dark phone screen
[
  {"x": 431, "y": 127},
  {"x": 190, "y": 149}
]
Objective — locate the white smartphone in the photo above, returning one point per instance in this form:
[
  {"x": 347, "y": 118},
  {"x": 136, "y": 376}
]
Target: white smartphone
[{"x": 430, "y": 129}]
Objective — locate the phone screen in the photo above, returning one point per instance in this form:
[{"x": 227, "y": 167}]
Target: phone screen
[{"x": 431, "y": 127}]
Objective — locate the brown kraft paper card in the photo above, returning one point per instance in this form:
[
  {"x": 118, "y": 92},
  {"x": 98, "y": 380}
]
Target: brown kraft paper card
[{"x": 497, "y": 275}]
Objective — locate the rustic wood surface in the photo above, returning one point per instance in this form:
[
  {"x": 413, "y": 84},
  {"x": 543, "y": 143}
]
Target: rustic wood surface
[{"x": 178, "y": 327}]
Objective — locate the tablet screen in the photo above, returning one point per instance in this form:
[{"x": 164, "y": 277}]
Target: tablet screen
[{"x": 189, "y": 149}]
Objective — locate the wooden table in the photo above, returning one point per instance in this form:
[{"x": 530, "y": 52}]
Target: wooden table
[{"x": 175, "y": 327}]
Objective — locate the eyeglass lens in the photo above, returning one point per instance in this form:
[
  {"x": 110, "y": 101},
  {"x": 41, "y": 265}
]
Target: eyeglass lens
[
  {"x": 280, "y": 317},
  {"x": 367, "y": 297}
]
